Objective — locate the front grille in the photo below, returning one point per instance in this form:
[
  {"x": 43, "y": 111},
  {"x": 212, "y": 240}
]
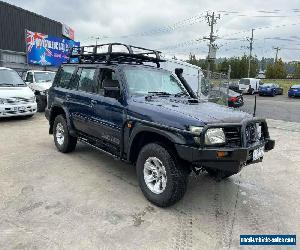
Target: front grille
[
  {"x": 18, "y": 100},
  {"x": 253, "y": 133},
  {"x": 233, "y": 136}
]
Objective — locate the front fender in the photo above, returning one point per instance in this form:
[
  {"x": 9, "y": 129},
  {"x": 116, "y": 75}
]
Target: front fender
[{"x": 174, "y": 135}]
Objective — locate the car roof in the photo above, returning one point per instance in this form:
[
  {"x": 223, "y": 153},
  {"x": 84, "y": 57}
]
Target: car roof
[
  {"x": 6, "y": 68},
  {"x": 296, "y": 86},
  {"x": 48, "y": 71},
  {"x": 116, "y": 65},
  {"x": 250, "y": 78}
]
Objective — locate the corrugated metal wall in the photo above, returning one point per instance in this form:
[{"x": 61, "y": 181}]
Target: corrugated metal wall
[{"x": 14, "y": 21}]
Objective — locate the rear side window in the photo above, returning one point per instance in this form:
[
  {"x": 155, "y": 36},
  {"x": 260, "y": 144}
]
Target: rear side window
[
  {"x": 87, "y": 80},
  {"x": 65, "y": 76}
]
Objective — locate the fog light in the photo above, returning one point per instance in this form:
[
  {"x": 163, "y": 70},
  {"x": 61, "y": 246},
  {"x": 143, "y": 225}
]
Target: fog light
[{"x": 221, "y": 154}]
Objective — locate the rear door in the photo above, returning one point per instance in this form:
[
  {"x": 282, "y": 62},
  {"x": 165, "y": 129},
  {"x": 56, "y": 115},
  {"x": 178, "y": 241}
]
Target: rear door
[
  {"x": 61, "y": 83},
  {"x": 83, "y": 88}
]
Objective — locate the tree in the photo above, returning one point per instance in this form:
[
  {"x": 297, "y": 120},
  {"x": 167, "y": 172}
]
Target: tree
[
  {"x": 276, "y": 71},
  {"x": 297, "y": 70},
  {"x": 270, "y": 71},
  {"x": 239, "y": 65}
]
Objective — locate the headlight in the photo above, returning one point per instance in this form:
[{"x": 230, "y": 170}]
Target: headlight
[
  {"x": 32, "y": 99},
  {"x": 214, "y": 136},
  {"x": 196, "y": 130}
]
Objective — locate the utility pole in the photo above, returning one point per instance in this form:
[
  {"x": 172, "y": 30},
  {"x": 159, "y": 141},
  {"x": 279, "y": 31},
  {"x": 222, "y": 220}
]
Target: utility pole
[
  {"x": 211, "y": 20},
  {"x": 250, "y": 54},
  {"x": 96, "y": 38},
  {"x": 277, "y": 49}
]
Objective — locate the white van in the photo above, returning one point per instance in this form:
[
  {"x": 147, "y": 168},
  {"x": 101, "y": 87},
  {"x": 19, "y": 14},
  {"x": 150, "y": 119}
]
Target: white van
[
  {"x": 16, "y": 98},
  {"x": 249, "y": 85},
  {"x": 39, "y": 81},
  {"x": 191, "y": 73}
]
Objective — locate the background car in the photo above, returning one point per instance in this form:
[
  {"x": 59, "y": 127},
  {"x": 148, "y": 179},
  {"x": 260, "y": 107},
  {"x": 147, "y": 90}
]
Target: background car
[
  {"x": 16, "y": 99},
  {"x": 294, "y": 91},
  {"x": 231, "y": 85},
  {"x": 270, "y": 89},
  {"x": 233, "y": 98},
  {"x": 249, "y": 85},
  {"x": 39, "y": 81}
]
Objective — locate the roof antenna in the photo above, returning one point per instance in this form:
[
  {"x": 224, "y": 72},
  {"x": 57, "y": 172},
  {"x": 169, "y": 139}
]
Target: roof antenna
[{"x": 254, "y": 111}]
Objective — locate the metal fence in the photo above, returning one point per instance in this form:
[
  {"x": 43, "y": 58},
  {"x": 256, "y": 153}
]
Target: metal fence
[{"x": 215, "y": 87}]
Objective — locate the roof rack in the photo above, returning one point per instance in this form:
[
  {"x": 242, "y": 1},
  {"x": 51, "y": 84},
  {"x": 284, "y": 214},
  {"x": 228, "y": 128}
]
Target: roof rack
[{"x": 114, "y": 53}]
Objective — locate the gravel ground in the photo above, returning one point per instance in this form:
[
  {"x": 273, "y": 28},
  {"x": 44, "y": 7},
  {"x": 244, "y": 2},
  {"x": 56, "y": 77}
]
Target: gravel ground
[{"x": 87, "y": 200}]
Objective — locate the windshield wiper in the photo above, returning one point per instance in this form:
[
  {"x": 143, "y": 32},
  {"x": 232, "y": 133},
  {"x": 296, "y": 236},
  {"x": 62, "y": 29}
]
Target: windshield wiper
[
  {"x": 181, "y": 94},
  {"x": 160, "y": 93},
  {"x": 156, "y": 93}
]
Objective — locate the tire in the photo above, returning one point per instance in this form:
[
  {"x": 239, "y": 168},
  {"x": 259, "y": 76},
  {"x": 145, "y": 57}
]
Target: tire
[
  {"x": 219, "y": 174},
  {"x": 172, "y": 176},
  {"x": 41, "y": 104},
  {"x": 273, "y": 94},
  {"x": 28, "y": 116},
  {"x": 64, "y": 142}
]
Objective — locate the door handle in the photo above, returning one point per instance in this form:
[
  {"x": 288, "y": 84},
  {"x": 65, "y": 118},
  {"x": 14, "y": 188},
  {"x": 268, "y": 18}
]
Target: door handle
[
  {"x": 68, "y": 97},
  {"x": 93, "y": 102}
]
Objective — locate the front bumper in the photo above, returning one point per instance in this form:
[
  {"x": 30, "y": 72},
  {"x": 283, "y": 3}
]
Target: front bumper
[
  {"x": 18, "y": 109},
  {"x": 234, "y": 160},
  {"x": 294, "y": 94},
  {"x": 265, "y": 92}
]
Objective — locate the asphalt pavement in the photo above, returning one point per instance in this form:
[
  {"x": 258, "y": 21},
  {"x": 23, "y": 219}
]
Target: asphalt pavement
[
  {"x": 87, "y": 200},
  {"x": 279, "y": 107}
]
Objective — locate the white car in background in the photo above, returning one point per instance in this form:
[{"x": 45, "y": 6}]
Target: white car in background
[
  {"x": 16, "y": 98},
  {"x": 39, "y": 81}
]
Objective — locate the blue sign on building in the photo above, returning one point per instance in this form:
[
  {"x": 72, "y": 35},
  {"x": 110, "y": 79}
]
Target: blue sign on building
[{"x": 47, "y": 50}]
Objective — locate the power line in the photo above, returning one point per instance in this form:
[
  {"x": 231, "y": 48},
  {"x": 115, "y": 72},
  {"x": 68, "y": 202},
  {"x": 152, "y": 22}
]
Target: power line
[{"x": 164, "y": 29}]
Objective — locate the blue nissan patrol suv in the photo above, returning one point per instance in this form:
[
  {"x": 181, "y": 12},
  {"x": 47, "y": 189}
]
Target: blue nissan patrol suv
[{"x": 110, "y": 97}]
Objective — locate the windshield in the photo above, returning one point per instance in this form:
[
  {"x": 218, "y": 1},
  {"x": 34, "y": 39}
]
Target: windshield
[
  {"x": 44, "y": 76},
  {"x": 142, "y": 81},
  {"x": 244, "y": 81},
  {"x": 10, "y": 78},
  {"x": 295, "y": 87},
  {"x": 268, "y": 85}
]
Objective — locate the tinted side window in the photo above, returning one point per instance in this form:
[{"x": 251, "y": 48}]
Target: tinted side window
[
  {"x": 29, "y": 77},
  {"x": 87, "y": 80},
  {"x": 66, "y": 73},
  {"x": 109, "y": 79}
]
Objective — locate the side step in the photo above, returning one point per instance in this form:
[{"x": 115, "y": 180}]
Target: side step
[{"x": 96, "y": 145}]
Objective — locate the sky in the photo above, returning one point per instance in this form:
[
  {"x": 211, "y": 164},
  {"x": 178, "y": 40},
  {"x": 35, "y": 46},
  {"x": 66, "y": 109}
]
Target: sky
[{"x": 177, "y": 27}]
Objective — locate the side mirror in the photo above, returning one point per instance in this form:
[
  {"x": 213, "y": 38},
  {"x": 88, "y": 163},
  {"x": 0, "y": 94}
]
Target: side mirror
[{"x": 113, "y": 92}]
